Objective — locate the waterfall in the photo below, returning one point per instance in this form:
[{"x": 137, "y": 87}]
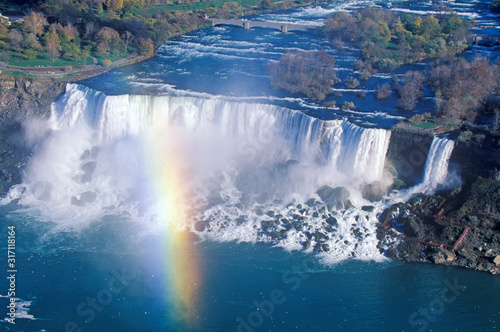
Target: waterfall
[
  {"x": 357, "y": 152},
  {"x": 436, "y": 166},
  {"x": 231, "y": 161}
]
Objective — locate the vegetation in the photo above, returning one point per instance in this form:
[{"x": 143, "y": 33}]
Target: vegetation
[
  {"x": 411, "y": 90},
  {"x": 388, "y": 39},
  {"x": 465, "y": 89},
  {"x": 72, "y": 30},
  {"x": 351, "y": 82},
  {"x": 383, "y": 91},
  {"x": 309, "y": 73}
]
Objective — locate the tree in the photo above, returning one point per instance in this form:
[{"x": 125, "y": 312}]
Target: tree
[
  {"x": 85, "y": 55},
  {"x": 30, "y": 54},
  {"x": 32, "y": 43},
  {"x": 230, "y": 9},
  {"x": 53, "y": 43},
  {"x": 382, "y": 91},
  {"x": 267, "y": 4},
  {"x": 211, "y": 11},
  {"x": 310, "y": 73},
  {"x": 410, "y": 91},
  {"x": 115, "y": 5},
  {"x": 127, "y": 37},
  {"x": 4, "y": 37},
  {"x": 430, "y": 27},
  {"x": 35, "y": 22},
  {"x": 146, "y": 47},
  {"x": 70, "y": 31},
  {"x": 15, "y": 40},
  {"x": 133, "y": 5},
  {"x": 109, "y": 40},
  {"x": 351, "y": 82}
]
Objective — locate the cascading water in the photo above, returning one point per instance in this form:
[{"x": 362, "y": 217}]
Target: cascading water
[
  {"x": 436, "y": 166},
  {"x": 250, "y": 171}
]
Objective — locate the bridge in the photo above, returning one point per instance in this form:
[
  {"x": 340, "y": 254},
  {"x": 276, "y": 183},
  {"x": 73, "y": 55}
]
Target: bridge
[{"x": 246, "y": 24}]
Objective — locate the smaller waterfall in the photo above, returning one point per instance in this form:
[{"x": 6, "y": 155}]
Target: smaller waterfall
[{"x": 436, "y": 166}]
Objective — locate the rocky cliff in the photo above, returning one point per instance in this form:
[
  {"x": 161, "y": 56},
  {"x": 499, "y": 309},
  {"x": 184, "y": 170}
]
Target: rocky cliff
[
  {"x": 459, "y": 226},
  {"x": 20, "y": 99}
]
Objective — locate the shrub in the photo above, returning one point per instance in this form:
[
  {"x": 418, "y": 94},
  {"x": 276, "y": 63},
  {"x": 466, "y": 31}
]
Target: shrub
[
  {"x": 348, "y": 105},
  {"x": 330, "y": 104},
  {"x": 310, "y": 73},
  {"x": 351, "y": 82},
  {"x": 382, "y": 91}
]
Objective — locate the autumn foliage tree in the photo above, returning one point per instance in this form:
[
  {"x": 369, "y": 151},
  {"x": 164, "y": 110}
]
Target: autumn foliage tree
[
  {"x": 463, "y": 88},
  {"x": 35, "y": 22},
  {"x": 411, "y": 91},
  {"x": 53, "y": 43},
  {"x": 108, "y": 41},
  {"x": 309, "y": 73}
]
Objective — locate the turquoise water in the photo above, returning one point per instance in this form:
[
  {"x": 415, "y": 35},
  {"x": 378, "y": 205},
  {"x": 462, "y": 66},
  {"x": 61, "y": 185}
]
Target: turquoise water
[
  {"x": 59, "y": 272},
  {"x": 77, "y": 272}
]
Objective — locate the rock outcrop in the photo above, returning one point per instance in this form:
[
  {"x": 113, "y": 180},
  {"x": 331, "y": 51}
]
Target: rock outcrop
[
  {"x": 22, "y": 98},
  {"x": 460, "y": 227}
]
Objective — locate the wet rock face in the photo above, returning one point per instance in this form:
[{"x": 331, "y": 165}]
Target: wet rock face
[
  {"x": 21, "y": 99},
  {"x": 458, "y": 227}
]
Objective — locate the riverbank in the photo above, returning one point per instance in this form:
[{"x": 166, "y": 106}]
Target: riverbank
[{"x": 457, "y": 227}]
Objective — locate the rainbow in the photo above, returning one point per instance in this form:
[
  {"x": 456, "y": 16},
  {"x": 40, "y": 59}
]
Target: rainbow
[{"x": 181, "y": 259}]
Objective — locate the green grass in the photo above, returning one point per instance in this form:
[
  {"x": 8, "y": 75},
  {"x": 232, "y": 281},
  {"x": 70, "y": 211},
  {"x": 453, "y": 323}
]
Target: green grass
[
  {"x": 426, "y": 125},
  {"x": 44, "y": 60}
]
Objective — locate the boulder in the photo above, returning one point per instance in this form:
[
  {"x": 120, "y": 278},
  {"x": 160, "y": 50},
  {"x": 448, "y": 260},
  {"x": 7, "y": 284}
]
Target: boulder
[
  {"x": 496, "y": 261},
  {"x": 329, "y": 194}
]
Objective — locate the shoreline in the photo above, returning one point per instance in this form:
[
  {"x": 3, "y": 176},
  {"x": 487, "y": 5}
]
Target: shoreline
[
  {"x": 28, "y": 93},
  {"x": 92, "y": 70}
]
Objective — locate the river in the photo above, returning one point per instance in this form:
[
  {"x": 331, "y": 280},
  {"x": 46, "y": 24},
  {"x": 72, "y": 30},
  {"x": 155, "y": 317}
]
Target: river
[{"x": 183, "y": 193}]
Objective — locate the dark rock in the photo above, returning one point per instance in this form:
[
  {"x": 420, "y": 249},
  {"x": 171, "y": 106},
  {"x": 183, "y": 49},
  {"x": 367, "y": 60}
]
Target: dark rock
[
  {"x": 320, "y": 237},
  {"x": 270, "y": 213},
  {"x": 357, "y": 233},
  {"x": 76, "y": 201},
  {"x": 89, "y": 167},
  {"x": 200, "y": 226},
  {"x": 241, "y": 220},
  {"x": 86, "y": 178},
  {"x": 311, "y": 202},
  {"x": 329, "y": 194},
  {"x": 306, "y": 244},
  {"x": 374, "y": 192},
  {"x": 368, "y": 208},
  {"x": 332, "y": 221}
]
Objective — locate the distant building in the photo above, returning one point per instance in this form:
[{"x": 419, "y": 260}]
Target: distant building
[{"x": 4, "y": 19}]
